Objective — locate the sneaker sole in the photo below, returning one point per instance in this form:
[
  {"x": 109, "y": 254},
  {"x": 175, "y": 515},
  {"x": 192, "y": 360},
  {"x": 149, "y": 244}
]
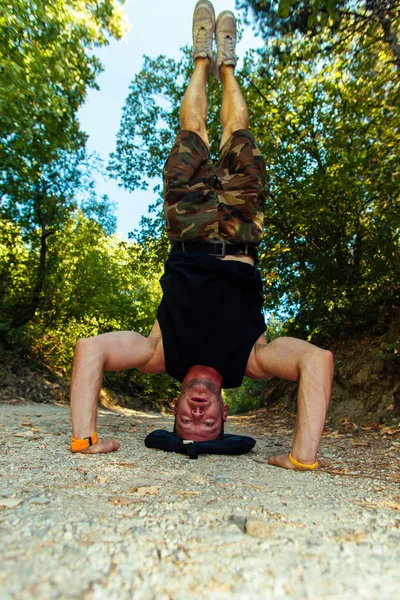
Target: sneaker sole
[
  {"x": 206, "y": 3},
  {"x": 221, "y": 15}
]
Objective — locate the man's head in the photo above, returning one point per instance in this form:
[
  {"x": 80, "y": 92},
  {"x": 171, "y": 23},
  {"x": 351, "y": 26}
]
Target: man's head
[{"x": 199, "y": 411}]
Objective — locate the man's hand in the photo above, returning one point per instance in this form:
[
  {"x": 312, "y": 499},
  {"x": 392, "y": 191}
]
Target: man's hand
[
  {"x": 282, "y": 460},
  {"x": 102, "y": 446}
]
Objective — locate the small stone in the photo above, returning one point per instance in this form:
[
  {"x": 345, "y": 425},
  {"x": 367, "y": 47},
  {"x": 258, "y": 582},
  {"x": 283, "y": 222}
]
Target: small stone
[
  {"x": 24, "y": 434},
  {"x": 258, "y": 529},
  {"x": 9, "y": 502},
  {"x": 313, "y": 543},
  {"x": 40, "y": 500}
]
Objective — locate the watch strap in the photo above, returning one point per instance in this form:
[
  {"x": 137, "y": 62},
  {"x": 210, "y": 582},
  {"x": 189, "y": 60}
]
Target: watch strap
[{"x": 80, "y": 444}]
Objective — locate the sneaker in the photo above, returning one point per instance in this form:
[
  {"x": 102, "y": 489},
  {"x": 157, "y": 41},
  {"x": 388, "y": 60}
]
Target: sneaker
[
  {"x": 203, "y": 30},
  {"x": 225, "y": 33}
]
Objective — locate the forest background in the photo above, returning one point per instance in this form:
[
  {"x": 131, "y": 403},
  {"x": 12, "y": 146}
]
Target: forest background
[{"x": 323, "y": 98}]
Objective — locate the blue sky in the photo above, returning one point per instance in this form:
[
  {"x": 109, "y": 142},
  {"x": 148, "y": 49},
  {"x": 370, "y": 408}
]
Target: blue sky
[{"x": 157, "y": 27}]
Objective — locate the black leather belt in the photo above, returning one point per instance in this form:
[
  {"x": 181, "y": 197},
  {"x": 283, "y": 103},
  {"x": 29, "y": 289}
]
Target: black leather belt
[{"x": 219, "y": 249}]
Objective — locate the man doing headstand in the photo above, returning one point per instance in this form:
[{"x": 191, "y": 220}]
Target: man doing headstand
[{"x": 209, "y": 331}]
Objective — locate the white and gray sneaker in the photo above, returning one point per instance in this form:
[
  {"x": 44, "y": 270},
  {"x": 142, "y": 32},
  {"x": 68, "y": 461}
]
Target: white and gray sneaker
[
  {"x": 225, "y": 33},
  {"x": 203, "y": 30}
]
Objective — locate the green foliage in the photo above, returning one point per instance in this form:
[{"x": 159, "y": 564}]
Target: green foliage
[
  {"x": 245, "y": 398},
  {"x": 374, "y": 23},
  {"x": 63, "y": 272},
  {"x": 96, "y": 284},
  {"x": 330, "y": 256},
  {"x": 46, "y": 67},
  {"x": 249, "y": 395},
  {"x": 39, "y": 218},
  {"x": 323, "y": 104},
  {"x": 390, "y": 351},
  {"x": 150, "y": 121}
]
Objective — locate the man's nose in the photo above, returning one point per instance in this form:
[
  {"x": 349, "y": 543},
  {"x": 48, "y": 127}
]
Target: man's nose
[{"x": 197, "y": 411}]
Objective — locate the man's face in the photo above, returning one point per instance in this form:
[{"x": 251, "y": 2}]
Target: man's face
[{"x": 199, "y": 410}]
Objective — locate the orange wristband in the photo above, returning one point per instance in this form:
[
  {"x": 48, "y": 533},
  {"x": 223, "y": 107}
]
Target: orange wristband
[
  {"x": 77, "y": 445},
  {"x": 302, "y": 465}
]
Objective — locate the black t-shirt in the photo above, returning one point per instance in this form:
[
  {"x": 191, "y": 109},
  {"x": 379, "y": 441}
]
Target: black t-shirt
[{"x": 210, "y": 314}]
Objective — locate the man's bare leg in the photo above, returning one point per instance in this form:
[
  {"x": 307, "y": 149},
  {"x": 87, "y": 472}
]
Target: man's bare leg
[
  {"x": 194, "y": 106},
  {"x": 108, "y": 352},
  {"x": 297, "y": 360},
  {"x": 234, "y": 114}
]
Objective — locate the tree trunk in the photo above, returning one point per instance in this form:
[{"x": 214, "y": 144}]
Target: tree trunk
[
  {"x": 27, "y": 312},
  {"x": 389, "y": 34}
]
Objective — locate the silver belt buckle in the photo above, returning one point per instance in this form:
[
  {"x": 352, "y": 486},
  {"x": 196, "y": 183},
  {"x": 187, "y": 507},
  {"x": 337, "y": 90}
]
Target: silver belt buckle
[{"x": 222, "y": 254}]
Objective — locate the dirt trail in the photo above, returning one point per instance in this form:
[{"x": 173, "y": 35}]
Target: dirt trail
[{"x": 146, "y": 524}]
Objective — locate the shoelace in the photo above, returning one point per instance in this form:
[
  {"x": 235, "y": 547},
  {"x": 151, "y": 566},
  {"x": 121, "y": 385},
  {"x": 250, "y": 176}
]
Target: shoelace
[
  {"x": 202, "y": 39},
  {"x": 228, "y": 47}
]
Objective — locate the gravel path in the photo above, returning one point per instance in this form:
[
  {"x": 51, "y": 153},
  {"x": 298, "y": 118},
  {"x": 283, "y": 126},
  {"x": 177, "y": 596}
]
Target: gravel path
[{"x": 145, "y": 524}]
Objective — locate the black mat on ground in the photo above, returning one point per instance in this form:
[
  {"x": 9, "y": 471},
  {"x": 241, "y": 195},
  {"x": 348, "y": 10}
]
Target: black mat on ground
[{"x": 230, "y": 444}]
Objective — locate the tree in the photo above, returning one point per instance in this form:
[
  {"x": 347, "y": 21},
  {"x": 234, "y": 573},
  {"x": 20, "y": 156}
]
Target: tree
[
  {"x": 330, "y": 256},
  {"x": 64, "y": 274},
  {"x": 375, "y": 23},
  {"x": 338, "y": 131},
  {"x": 63, "y": 186},
  {"x": 46, "y": 68},
  {"x": 96, "y": 285}
]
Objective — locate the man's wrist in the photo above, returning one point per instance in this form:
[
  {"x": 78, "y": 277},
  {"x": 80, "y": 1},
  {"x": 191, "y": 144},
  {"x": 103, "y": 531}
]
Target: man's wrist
[
  {"x": 302, "y": 465},
  {"x": 304, "y": 455},
  {"x": 78, "y": 444}
]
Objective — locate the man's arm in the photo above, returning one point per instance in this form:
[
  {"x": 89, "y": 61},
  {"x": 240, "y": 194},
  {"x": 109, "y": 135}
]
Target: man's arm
[
  {"x": 108, "y": 352},
  {"x": 297, "y": 360}
]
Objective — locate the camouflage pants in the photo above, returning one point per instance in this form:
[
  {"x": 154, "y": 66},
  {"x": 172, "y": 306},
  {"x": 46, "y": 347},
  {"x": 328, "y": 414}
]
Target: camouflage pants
[{"x": 226, "y": 202}]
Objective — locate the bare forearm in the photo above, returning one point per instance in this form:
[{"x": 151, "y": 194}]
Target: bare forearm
[
  {"x": 297, "y": 360},
  {"x": 86, "y": 380},
  {"x": 111, "y": 352},
  {"x": 313, "y": 402}
]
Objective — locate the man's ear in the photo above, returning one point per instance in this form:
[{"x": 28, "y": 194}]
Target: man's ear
[
  {"x": 175, "y": 401},
  {"x": 225, "y": 412}
]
